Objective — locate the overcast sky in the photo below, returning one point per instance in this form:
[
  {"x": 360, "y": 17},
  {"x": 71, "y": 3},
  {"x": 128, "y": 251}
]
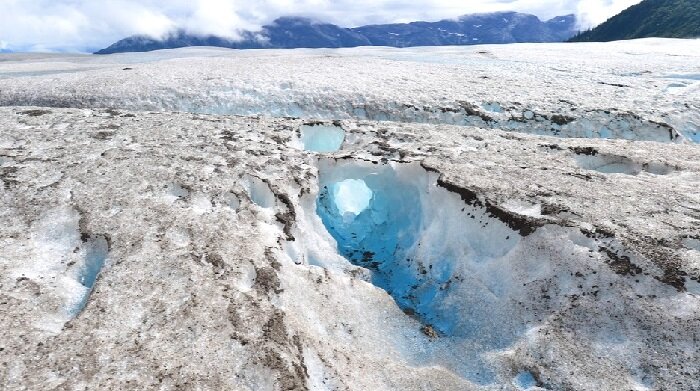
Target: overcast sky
[{"x": 86, "y": 25}]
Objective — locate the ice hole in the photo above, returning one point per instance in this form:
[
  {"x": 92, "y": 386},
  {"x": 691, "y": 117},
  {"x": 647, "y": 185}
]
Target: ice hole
[
  {"x": 176, "y": 192},
  {"x": 322, "y": 138},
  {"x": 609, "y": 164},
  {"x": 351, "y": 196},
  {"x": 96, "y": 251},
  {"x": 614, "y": 164},
  {"x": 444, "y": 262}
]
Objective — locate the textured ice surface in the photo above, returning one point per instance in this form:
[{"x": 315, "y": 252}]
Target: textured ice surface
[
  {"x": 215, "y": 252},
  {"x": 64, "y": 262},
  {"x": 549, "y": 89}
]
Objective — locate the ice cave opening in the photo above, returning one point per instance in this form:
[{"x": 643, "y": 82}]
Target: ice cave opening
[
  {"x": 351, "y": 197},
  {"x": 450, "y": 264}
]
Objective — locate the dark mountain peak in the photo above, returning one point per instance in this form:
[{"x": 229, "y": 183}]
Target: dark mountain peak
[{"x": 302, "y": 32}]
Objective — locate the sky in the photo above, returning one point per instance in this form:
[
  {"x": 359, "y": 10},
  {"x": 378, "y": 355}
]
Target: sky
[{"x": 88, "y": 25}]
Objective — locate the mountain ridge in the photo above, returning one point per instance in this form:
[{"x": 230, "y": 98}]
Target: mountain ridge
[{"x": 299, "y": 32}]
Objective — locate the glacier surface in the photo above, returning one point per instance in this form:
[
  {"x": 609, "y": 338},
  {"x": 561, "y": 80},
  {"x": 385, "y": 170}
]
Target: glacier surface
[
  {"x": 553, "y": 89},
  {"x": 522, "y": 217}
]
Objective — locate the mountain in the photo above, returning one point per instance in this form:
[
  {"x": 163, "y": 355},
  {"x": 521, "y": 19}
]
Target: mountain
[
  {"x": 282, "y": 33},
  {"x": 500, "y": 27},
  {"x": 295, "y": 32},
  {"x": 650, "y": 18}
]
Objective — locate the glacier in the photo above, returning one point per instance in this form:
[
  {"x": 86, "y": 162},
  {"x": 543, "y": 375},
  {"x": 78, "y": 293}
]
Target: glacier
[
  {"x": 559, "y": 90},
  {"x": 520, "y": 217}
]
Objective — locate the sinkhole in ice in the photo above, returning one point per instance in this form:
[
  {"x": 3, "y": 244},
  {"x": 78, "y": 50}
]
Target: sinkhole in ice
[
  {"x": 322, "y": 138},
  {"x": 609, "y": 164},
  {"x": 96, "y": 251},
  {"x": 445, "y": 262},
  {"x": 613, "y": 164}
]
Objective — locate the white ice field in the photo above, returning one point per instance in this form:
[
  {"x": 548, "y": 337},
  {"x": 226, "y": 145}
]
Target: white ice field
[
  {"x": 516, "y": 217},
  {"x": 640, "y": 90}
]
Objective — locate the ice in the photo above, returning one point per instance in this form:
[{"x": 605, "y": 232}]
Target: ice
[
  {"x": 524, "y": 380},
  {"x": 577, "y": 92},
  {"x": 65, "y": 263},
  {"x": 231, "y": 200},
  {"x": 472, "y": 281},
  {"x": 434, "y": 254},
  {"x": 174, "y": 192},
  {"x": 493, "y": 107},
  {"x": 609, "y": 164},
  {"x": 692, "y": 243},
  {"x": 418, "y": 257},
  {"x": 259, "y": 192},
  {"x": 95, "y": 256},
  {"x": 613, "y": 164},
  {"x": 523, "y": 208},
  {"x": 322, "y": 138},
  {"x": 351, "y": 196}
]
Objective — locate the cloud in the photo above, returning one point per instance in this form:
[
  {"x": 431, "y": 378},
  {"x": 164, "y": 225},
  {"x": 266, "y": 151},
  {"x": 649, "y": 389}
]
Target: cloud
[
  {"x": 595, "y": 12},
  {"x": 85, "y": 25}
]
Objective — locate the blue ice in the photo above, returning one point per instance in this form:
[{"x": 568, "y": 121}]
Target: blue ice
[
  {"x": 376, "y": 219},
  {"x": 322, "y": 138},
  {"x": 395, "y": 222},
  {"x": 95, "y": 257},
  {"x": 525, "y": 380},
  {"x": 94, "y": 261}
]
